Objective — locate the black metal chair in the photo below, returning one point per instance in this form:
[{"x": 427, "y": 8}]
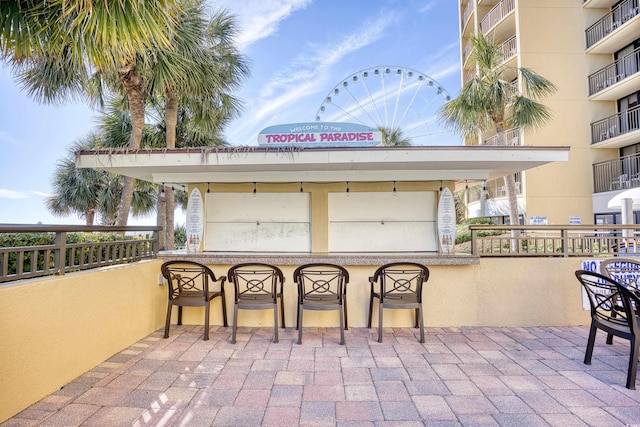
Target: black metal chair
[
  {"x": 189, "y": 285},
  {"x": 613, "y": 310},
  {"x": 322, "y": 286},
  {"x": 399, "y": 287},
  {"x": 625, "y": 271},
  {"x": 257, "y": 286}
]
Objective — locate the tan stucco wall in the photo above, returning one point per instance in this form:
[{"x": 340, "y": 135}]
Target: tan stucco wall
[
  {"x": 53, "y": 330},
  {"x": 497, "y": 292}
]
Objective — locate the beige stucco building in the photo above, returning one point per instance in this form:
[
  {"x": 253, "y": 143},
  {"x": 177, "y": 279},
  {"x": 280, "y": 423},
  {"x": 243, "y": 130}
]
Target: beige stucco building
[{"x": 590, "y": 50}]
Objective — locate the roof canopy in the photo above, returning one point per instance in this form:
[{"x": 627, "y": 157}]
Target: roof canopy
[{"x": 360, "y": 164}]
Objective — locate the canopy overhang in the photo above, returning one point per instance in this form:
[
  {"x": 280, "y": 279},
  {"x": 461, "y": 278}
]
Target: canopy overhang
[{"x": 362, "y": 164}]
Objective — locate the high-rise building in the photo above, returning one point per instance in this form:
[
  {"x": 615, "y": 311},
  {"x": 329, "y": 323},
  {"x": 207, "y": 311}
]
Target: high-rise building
[{"x": 590, "y": 49}]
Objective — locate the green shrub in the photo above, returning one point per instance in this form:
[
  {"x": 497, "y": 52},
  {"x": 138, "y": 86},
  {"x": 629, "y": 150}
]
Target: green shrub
[{"x": 463, "y": 234}]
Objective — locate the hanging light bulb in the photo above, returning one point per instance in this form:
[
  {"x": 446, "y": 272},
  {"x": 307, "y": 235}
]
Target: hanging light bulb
[
  {"x": 394, "y": 188},
  {"x": 301, "y": 189},
  {"x": 254, "y": 190},
  {"x": 208, "y": 190},
  {"x": 347, "y": 188}
]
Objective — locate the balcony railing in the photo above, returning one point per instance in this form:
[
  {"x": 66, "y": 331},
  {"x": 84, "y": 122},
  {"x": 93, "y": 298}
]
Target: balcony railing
[
  {"x": 554, "y": 241},
  {"x": 616, "y": 125},
  {"x": 510, "y": 137},
  {"x": 496, "y": 14},
  {"x": 613, "y": 20},
  {"x": 59, "y": 257},
  {"x": 468, "y": 48},
  {"x": 617, "y": 174},
  {"x": 466, "y": 13},
  {"x": 509, "y": 48},
  {"x": 621, "y": 69}
]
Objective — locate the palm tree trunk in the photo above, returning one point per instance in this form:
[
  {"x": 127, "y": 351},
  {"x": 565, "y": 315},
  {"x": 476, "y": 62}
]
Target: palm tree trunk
[
  {"x": 133, "y": 86},
  {"x": 171, "y": 122},
  {"x": 161, "y": 218},
  {"x": 90, "y": 217}
]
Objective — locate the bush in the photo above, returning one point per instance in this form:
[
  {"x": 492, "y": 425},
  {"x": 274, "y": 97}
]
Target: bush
[{"x": 463, "y": 234}]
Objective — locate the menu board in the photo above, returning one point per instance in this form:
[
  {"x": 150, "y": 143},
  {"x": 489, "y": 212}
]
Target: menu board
[
  {"x": 194, "y": 220},
  {"x": 446, "y": 221}
]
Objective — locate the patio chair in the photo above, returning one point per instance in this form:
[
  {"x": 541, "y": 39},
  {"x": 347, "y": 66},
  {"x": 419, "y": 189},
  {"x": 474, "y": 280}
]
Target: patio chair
[
  {"x": 257, "y": 286},
  {"x": 322, "y": 286},
  {"x": 613, "y": 310},
  {"x": 399, "y": 287},
  {"x": 189, "y": 285}
]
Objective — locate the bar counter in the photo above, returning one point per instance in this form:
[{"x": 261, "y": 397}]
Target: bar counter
[{"x": 294, "y": 259}]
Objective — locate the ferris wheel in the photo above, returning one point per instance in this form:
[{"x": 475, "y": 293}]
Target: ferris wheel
[{"x": 390, "y": 97}]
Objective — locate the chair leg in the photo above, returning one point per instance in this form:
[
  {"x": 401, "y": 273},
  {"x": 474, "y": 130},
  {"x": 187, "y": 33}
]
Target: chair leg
[
  {"x": 370, "y": 311},
  {"x": 206, "y": 321},
  {"x": 275, "y": 321},
  {"x": 590, "y": 343},
  {"x": 224, "y": 311},
  {"x": 342, "y": 324},
  {"x": 166, "y": 324},
  {"x": 421, "y": 323},
  {"x": 417, "y": 314},
  {"x": 633, "y": 364},
  {"x": 282, "y": 310},
  {"x": 179, "y": 315},
  {"x": 235, "y": 323},
  {"x": 346, "y": 317},
  {"x": 299, "y": 323},
  {"x": 380, "y": 310}
]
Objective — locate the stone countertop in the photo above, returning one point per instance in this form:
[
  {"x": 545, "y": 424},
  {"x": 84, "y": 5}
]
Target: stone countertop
[{"x": 230, "y": 258}]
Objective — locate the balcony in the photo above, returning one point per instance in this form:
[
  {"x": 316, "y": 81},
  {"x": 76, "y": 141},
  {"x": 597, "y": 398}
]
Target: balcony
[
  {"x": 618, "y": 174},
  {"x": 496, "y": 14},
  {"x": 617, "y": 79},
  {"x": 511, "y": 137},
  {"x": 618, "y": 130},
  {"x": 508, "y": 49},
  {"x": 466, "y": 14},
  {"x": 598, "y": 4},
  {"x": 615, "y": 30}
]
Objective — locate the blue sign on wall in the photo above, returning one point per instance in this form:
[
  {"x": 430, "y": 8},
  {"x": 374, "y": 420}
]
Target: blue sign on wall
[{"x": 319, "y": 134}]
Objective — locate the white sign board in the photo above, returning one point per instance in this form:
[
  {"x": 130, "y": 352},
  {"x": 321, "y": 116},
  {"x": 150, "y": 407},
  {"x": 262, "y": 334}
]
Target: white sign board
[
  {"x": 575, "y": 220},
  {"x": 446, "y": 221},
  {"x": 538, "y": 220},
  {"x": 194, "y": 220}
]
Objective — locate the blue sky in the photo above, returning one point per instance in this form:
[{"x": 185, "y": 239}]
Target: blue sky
[{"x": 298, "y": 51}]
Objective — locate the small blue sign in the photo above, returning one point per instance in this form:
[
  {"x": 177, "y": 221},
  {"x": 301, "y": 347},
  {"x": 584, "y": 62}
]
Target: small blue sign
[{"x": 319, "y": 134}]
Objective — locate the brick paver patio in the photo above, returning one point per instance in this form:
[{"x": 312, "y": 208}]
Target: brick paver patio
[{"x": 459, "y": 377}]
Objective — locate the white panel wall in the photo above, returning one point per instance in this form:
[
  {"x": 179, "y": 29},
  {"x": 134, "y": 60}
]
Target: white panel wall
[
  {"x": 382, "y": 222},
  {"x": 266, "y": 222}
]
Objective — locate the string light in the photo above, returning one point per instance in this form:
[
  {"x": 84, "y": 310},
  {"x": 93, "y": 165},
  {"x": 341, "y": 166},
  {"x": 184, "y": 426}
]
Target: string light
[
  {"x": 394, "y": 188},
  {"x": 347, "y": 188},
  {"x": 208, "y": 190},
  {"x": 301, "y": 189},
  {"x": 254, "y": 190}
]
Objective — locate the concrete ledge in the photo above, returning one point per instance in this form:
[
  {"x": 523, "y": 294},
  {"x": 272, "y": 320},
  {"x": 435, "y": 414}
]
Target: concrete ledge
[{"x": 365, "y": 259}]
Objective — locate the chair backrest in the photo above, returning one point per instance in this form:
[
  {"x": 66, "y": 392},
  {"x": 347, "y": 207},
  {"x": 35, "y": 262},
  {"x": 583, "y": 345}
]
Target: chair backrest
[
  {"x": 399, "y": 279},
  {"x": 622, "y": 270},
  {"x": 604, "y": 297},
  {"x": 256, "y": 280},
  {"x": 321, "y": 280},
  {"x": 631, "y": 302},
  {"x": 187, "y": 276}
]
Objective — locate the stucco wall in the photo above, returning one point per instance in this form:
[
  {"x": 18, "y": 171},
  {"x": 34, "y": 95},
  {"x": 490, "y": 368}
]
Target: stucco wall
[{"x": 53, "y": 330}]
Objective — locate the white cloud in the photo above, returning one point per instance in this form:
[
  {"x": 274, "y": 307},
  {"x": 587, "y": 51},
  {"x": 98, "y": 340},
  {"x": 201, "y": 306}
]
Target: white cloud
[
  {"x": 40, "y": 193},
  {"x": 427, "y": 6},
  {"x": 260, "y": 19},
  {"x": 307, "y": 72},
  {"x": 5, "y": 138},
  {"x": 10, "y": 194}
]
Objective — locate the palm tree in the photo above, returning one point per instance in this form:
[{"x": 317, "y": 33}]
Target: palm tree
[
  {"x": 487, "y": 101},
  {"x": 93, "y": 194},
  {"x": 393, "y": 137},
  {"x": 192, "y": 81},
  {"x": 64, "y": 49}
]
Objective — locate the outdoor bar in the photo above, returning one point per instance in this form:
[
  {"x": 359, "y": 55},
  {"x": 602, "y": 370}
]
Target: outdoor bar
[{"x": 358, "y": 207}]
